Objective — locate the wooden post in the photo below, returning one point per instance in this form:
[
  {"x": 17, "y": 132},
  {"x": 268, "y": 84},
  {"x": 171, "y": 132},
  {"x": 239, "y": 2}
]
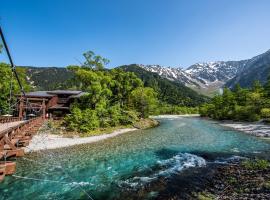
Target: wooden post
[
  {"x": 43, "y": 109},
  {"x": 21, "y": 109}
]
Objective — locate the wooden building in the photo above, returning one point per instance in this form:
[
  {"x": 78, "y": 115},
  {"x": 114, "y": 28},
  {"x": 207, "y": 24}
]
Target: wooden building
[{"x": 54, "y": 103}]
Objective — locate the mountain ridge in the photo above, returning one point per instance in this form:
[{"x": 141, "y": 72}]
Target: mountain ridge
[{"x": 208, "y": 77}]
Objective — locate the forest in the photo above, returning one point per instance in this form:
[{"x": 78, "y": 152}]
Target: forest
[
  {"x": 9, "y": 87},
  {"x": 240, "y": 104},
  {"x": 124, "y": 95},
  {"x": 113, "y": 97}
]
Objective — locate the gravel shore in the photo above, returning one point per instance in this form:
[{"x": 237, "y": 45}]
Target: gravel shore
[{"x": 44, "y": 140}]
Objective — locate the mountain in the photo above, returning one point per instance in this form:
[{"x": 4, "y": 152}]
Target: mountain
[
  {"x": 171, "y": 92},
  {"x": 207, "y": 78},
  {"x": 256, "y": 68},
  {"x": 48, "y": 78}
]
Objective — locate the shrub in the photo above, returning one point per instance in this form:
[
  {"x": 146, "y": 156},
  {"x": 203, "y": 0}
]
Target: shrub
[
  {"x": 257, "y": 164},
  {"x": 265, "y": 112}
]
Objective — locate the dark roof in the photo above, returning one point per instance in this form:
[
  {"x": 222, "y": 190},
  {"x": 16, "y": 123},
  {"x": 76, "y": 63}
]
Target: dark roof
[
  {"x": 70, "y": 92},
  {"x": 38, "y": 94},
  {"x": 59, "y": 107},
  {"x": 52, "y": 93},
  {"x": 78, "y": 95}
]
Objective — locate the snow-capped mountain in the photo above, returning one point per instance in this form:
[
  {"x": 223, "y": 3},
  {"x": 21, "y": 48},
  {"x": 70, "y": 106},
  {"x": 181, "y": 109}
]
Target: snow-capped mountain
[
  {"x": 256, "y": 68},
  {"x": 175, "y": 74},
  {"x": 208, "y": 77},
  {"x": 200, "y": 75}
]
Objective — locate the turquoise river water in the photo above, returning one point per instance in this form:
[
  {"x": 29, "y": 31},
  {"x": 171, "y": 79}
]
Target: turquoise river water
[{"x": 105, "y": 169}]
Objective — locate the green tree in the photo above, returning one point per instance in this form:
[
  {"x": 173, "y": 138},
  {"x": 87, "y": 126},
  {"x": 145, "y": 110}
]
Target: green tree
[
  {"x": 9, "y": 84},
  {"x": 248, "y": 104},
  {"x": 144, "y": 100},
  {"x": 94, "y": 61}
]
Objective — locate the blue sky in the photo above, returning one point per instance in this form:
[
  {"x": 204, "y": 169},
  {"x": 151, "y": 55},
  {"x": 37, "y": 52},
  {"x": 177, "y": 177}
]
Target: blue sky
[{"x": 165, "y": 32}]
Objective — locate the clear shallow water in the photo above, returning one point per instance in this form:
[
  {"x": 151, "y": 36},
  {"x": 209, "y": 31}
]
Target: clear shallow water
[{"x": 106, "y": 168}]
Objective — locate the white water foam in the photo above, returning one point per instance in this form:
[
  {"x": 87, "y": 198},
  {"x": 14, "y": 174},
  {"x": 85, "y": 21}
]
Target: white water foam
[
  {"x": 230, "y": 159},
  {"x": 80, "y": 183},
  {"x": 167, "y": 167}
]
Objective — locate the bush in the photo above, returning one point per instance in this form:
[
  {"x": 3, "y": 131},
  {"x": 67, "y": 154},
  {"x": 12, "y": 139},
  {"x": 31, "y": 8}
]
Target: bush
[
  {"x": 265, "y": 112},
  {"x": 129, "y": 117},
  {"x": 257, "y": 164},
  {"x": 82, "y": 120}
]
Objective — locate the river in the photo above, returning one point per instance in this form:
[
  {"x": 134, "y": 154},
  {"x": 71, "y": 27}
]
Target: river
[{"x": 113, "y": 168}]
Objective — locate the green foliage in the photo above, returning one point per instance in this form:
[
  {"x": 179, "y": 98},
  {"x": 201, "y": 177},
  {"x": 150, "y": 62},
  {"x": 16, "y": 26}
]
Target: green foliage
[
  {"x": 205, "y": 196},
  {"x": 175, "y": 110},
  {"x": 239, "y": 104},
  {"x": 169, "y": 92},
  {"x": 113, "y": 98},
  {"x": 265, "y": 112},
  {"x": 257, "y": 164},
  {"x": 93, "y": 61},
  {"x": 82, "y": 120},
  {"x": 144, "y": 100},
  {"x": 8, "y": 80}
]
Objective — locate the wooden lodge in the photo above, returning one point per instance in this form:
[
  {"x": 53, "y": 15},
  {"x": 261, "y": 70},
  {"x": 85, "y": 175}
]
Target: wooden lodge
[{"x": 51, "y": 104}]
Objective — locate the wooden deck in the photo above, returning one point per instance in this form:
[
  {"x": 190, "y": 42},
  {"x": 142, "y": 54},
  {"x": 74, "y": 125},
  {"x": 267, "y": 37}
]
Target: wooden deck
[
  {"x": 13, "y": 136},
  {"x": 6, "y": 126}
]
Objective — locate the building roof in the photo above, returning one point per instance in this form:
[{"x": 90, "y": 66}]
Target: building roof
[
  {"x": 39, "y": 94},
  {"x": 78, "y": 95},
  {"x": 59, "y": 107},
  {"x": 70, "y": 92},
  {"x": 49, "y": 94}
]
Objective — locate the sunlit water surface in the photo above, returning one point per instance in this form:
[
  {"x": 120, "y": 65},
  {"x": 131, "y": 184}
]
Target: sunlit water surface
[{"x": 103, "y": 169}]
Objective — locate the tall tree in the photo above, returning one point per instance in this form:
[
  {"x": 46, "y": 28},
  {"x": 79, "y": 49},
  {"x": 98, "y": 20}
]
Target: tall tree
[
  {"x": 94, "y": 61},
  {"x": 9, "y": 84},
  {"x": 144, "y": 100}
]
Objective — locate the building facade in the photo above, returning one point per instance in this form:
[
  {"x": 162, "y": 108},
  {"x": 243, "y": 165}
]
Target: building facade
[{"x": 55, "y": 104}]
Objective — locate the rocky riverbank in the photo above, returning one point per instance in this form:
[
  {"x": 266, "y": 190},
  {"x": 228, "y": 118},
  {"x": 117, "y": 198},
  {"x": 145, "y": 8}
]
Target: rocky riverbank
[
  {"x": 236, "y": 180},
  {"x": 256, "y": 129},
  {"x": 247, "y": 180}
]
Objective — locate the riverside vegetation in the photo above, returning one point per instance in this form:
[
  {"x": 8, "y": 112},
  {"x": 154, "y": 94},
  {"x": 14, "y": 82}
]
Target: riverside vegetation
[
  {"x": 114, "y": 98},
  {"x": 240, "y": 104}
]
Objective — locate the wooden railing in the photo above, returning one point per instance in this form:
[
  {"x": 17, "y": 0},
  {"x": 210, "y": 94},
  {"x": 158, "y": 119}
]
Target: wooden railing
[
  {"x": 9, "y": 119},
  {"x": 21, "y": 127},
  {"x": 11, "y": 141}
]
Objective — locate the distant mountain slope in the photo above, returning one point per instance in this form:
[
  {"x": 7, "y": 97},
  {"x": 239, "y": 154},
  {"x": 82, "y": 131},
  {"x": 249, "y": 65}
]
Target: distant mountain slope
[
  {"x": 202, "y": 77},
  {"x": 48, "y": 78},
  {"x": 169, "y": 91},
  {"x": 208, "y": 77},
  {"x": 256, "y": 68}
]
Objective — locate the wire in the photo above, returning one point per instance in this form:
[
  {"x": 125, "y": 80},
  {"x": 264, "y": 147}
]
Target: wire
[
  {"x": 60, "y": 167},
  {"x": 38, "y": 179},
  {"x": 10, "y": 92},
  {"x": 11, "y": 61}
]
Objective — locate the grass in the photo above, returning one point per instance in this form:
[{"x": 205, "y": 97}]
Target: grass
[
  {"x": 257, "y": 164},
  {"x": 146, "y": 123},
  {"x": 267, "y": 185},
  {"x": 102, "y": 131},
  {"x": 205, "y": 196},
  {"x": 58, "y": 129}
]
